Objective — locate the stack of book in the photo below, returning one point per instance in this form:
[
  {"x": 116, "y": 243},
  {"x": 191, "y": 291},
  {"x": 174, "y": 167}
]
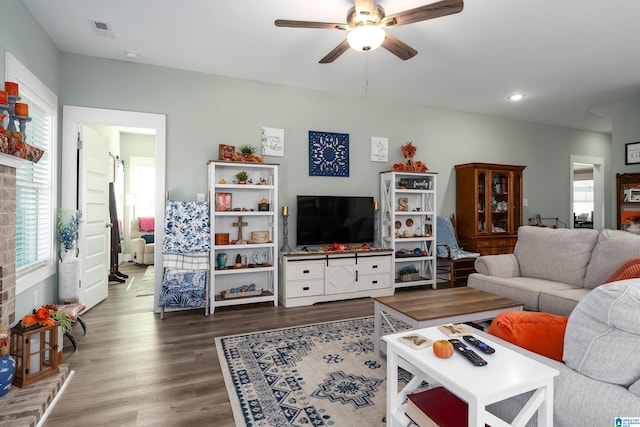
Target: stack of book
[{"x": 437, "y": 407}]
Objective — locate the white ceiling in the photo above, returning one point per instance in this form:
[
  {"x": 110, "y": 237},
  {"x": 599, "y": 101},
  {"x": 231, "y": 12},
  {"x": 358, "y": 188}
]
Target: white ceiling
[{"x": 567, "y": 56}]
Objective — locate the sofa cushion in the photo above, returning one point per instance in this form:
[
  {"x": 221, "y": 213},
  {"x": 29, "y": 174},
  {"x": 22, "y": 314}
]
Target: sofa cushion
[
  {"x": 613, "y": 248},
  {"x": 603, "y": 334},
  {"x": 524, "y": 289},
  {"x": 561, "y": 255},
  {"x": 542, "y": 333},
  {"x": 148, "y": 238},
  {"x": 502, "y": 265},
  {"x": 628, "y": 270},
  {"x": 561, "y": 301}
]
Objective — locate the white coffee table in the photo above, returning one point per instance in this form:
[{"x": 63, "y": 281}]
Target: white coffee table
[{"x": 507, "y": 374}]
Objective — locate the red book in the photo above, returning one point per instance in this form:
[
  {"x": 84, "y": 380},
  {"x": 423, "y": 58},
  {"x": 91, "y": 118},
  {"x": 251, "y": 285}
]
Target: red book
[{"x": 437, "y": 407}]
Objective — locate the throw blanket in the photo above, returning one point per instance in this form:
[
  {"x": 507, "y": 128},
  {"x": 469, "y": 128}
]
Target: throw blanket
[{"x": 146, "y": 223}]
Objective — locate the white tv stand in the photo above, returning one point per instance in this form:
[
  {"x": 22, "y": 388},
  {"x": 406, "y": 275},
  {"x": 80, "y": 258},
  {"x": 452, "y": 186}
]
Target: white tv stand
[{"x": 308, "y": 278}]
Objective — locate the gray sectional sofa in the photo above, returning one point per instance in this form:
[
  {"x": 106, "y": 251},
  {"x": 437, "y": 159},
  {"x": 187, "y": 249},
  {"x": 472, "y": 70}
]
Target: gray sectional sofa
[
  {"x": 599, "y": 380},
  {"x": 551, "y": 270}
]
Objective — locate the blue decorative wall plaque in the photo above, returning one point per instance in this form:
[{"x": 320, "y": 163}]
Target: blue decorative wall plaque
[{"x": 328, "y": 154}]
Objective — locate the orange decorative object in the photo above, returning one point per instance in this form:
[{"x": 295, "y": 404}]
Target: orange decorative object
[
  {"x": 4, "y": 97},
  {"x": 11, "y": 88},
  {"x": 22, "y": 109},
  {"x": 443, "y": 349},
  {"x": 42, "y": 313}
]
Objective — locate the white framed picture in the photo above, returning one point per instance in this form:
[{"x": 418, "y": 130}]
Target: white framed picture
[
  {"x": 272, "y": 142},
  {"x": 379, "y": 149}
]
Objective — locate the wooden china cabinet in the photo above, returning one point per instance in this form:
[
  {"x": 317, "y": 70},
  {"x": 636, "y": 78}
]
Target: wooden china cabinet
[
  {"x": 488, "y": 207},
  {"x": 627, "y": 200}
]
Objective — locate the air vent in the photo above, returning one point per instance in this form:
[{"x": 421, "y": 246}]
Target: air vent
[{"x": 103, "y": 29}]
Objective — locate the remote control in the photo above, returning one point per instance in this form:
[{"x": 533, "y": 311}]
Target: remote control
[
  {"x": 471, "y": 355},
  {"x": 479, "y": 344}
]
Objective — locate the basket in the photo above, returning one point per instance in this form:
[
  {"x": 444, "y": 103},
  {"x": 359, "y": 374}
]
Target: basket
[
  {"x": 232, "y": 295},
  {"x": 409, "y": 277}
]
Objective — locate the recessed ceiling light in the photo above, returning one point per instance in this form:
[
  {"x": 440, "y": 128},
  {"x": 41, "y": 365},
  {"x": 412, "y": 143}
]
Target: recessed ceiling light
[
  {"x": 132, "y": 54},
  {"x": 516, "y": 97}
]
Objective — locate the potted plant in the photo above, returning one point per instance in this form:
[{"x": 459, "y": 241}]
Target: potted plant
[
  {"x": 242, "y": 177},
  {"x": 248, "y": 154},
  {"x": 409, "y": 273},
  {"x": 247, "y": 149}
]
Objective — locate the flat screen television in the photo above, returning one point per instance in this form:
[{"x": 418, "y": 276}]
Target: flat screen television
[{"x": 324, "y": 220}]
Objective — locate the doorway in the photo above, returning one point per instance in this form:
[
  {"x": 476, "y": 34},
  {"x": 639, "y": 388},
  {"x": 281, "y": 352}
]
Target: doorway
[
  {"x": 586, "y": 201},
  {"x": 73, "y": 119}
]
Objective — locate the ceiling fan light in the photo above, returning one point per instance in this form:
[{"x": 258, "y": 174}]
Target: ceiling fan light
[{"x": 366, "y": 38}]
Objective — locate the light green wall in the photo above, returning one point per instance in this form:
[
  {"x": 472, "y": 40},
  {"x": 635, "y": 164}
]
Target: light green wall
[
  {"x": 626, "y": 128},
  {"x": 23, "y": 37},
  {"x": 206, "y": 110}
]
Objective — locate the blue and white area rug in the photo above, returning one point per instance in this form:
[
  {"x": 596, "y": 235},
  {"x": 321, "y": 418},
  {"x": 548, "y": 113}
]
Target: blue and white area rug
[{"x": 323, "y": 374}]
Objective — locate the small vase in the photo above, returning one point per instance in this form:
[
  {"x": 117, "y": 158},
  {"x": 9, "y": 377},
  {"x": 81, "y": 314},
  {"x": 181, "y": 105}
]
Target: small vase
[{"x": 221, "y": 260}]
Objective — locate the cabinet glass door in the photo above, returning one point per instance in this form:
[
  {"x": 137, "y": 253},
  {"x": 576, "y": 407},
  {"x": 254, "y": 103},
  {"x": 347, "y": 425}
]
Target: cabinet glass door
[
  {"x": 482, "y": 202},
  {"x": 500, "y": 202},
  {"x": 514, "y": 202}
]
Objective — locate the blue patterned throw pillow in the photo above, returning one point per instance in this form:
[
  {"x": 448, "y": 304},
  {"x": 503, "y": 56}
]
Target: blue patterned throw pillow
[{"x": 7, "y": 371}]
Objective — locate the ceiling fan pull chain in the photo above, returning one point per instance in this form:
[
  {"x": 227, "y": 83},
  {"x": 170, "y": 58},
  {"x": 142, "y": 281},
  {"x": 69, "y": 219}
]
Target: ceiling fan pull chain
[{"x": 366, "y": 74}]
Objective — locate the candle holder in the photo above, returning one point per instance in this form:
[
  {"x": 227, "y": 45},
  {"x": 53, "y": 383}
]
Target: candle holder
[
  {"x": 376, "y": 227},
  {"x": 35, "y": 351},
  {"x": 285, "y": 231},
  {"x": 22, "y": 120}
]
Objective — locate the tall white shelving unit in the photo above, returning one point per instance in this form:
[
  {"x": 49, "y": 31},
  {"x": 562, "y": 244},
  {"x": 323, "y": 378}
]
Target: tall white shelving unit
[
  {"x": 260, "y": 260},
  {"x": 408, "y": 223}
]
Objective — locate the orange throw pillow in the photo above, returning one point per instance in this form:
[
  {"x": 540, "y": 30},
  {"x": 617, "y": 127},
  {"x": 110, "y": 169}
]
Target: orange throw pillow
[
  {"x": 541, "y": 333},
  {"x": 628, "y": 270}
]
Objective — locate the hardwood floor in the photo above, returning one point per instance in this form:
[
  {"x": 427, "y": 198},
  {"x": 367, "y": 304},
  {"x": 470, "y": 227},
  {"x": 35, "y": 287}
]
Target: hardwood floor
[{"x": 133, "y": 369}]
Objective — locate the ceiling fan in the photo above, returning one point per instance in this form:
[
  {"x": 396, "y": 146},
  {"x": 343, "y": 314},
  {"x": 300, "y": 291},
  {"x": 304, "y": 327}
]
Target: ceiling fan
[{"x": 366, "y": 24}]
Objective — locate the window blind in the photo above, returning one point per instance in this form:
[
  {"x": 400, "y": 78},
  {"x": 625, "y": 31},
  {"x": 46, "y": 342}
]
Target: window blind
[{"x": 33, "y": 193}]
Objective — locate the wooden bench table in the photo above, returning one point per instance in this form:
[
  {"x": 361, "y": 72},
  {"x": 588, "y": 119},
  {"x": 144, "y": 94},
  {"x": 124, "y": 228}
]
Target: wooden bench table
[{"x": 425, "y": 308}]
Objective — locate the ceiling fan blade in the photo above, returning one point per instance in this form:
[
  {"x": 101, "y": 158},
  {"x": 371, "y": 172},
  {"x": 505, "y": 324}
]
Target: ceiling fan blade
[
  {"x": 398, "y": 48},
  {"x": 422, "y": 13},
  {"x": 310, "y": 24},
  {"x": 364, "y": 8},
  {"x": 336, "y": 52}
]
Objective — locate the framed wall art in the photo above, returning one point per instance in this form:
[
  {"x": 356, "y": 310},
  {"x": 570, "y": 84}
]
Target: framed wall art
[
  {"x": 632, "y": 153},
  {"x": 379, "y": 149},
  {"x": 272, "y": 142},
  {"x": 328, "y": 154}
]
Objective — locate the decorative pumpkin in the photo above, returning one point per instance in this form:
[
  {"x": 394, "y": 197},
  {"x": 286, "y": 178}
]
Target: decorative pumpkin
[
  {"x": 263, "y": 201},
  {"x": 443, "y": 349}
]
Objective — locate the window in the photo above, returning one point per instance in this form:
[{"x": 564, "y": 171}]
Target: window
[
  {"x": 142, "y": 185},
  {"x": 35, "y": 182},
  {"x": 583, "y": 199}
]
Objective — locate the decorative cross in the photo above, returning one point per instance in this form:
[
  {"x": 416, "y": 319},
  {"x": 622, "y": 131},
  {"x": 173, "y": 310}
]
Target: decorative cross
[{"x": 239, "y": 224}]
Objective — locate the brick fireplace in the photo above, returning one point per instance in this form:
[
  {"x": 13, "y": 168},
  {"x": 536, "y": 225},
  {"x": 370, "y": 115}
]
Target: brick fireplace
[{"x": 7, "y": 245}]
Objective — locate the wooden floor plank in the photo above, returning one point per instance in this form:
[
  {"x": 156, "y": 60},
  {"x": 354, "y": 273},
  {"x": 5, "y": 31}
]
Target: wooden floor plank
[{"x": 133, "y": 369}]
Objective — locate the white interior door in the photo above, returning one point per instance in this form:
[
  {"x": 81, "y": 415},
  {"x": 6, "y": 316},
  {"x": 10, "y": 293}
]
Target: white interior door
[{"x": 95, "y": 232}]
